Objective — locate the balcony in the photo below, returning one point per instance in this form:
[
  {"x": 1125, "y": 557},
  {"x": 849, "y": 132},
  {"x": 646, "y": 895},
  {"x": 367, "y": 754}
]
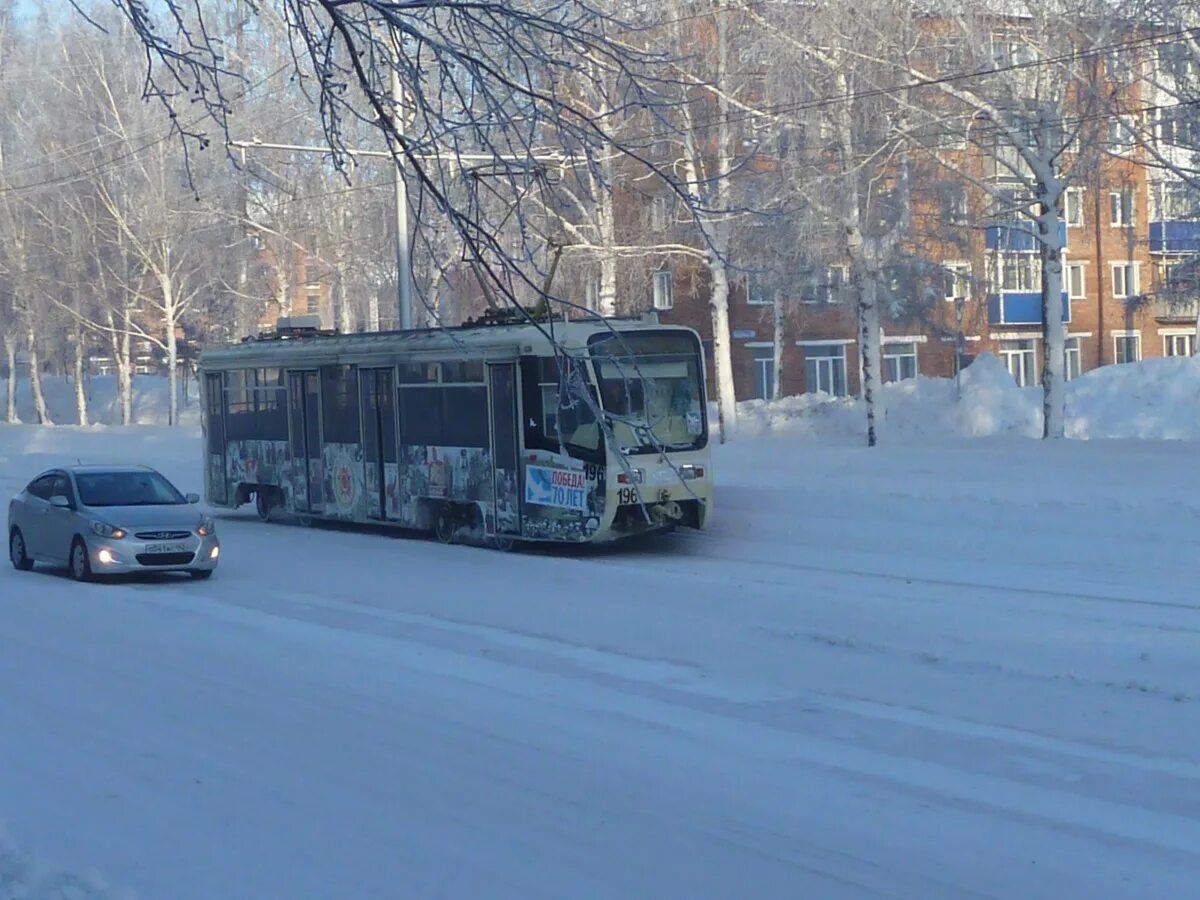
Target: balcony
[
  {"x": 1020, "y": 308},
  {"x": 1176, "y": 309},
  {"x": 1019, "y": 234},
  {"x": 1174, "y": 237}
]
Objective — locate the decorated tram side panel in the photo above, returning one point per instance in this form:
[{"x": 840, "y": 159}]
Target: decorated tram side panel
[
  {"x": 479, "y": 438},
  {"x": 325, "y": 441},
  {"x": 397, "y": 443}
]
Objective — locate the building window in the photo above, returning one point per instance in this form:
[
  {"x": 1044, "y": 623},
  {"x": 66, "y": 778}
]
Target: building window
[
  {"x": 957, "y": 280},
  {"x": 756, "y": 292},
  {"x": 837, "y": 279},
  {"x": 1073, "y": 207},
  {"x": 1072, "y": 358},
  {"x": 312, "y": 300},
  {"x": 764, "y": 372},
  {"x": 1125, "y": 279},
  {"x": 663, "y": 290},
  {"x": 1120, "y": 207},
  {"x": 1118, "y": 66},
  {"x": 1020, "y": 357},
  {"x": 1014, "y": 270},
  {"x": 1175, "y": 60},
  {"x": 658, "y": 213},
  {"x": 1173, "y": 201},
  {"x": 1006, "y": 162},
  {"x": 1174, "y": 127},
  {"x": 954, "y": 204},
  {"x": 1179, "y": 344},
  {"x": 899, "y": 361},
  {"x": 1127, "y": 346},
  {"x": 1010, "y": 50},
  {"x": 825, "y": 369},
  {"x": 1076, "y": 282},
  {"x": 1121, "y": 133}
]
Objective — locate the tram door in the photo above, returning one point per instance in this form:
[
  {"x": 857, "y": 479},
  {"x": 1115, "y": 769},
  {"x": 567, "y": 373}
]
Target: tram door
[
  {"x": 304, "y": 437},
  {"x": 214, "y": 407},
  {"x": 378, "y": 399},
  {"x": 502, "y": 415}
]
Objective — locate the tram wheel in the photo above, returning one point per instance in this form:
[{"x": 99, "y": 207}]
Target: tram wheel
[
  {"x": 264, "y": 502},
  {"x": 445, "y": 525},
  {"x": 503, "y": 542}
]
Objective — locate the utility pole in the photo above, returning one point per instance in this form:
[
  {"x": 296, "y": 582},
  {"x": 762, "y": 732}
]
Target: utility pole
[{"x": 403, "y": 247}]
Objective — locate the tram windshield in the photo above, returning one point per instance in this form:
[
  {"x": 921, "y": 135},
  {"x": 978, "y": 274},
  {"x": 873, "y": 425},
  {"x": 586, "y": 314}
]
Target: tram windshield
[{"x": 650, "y": 389}]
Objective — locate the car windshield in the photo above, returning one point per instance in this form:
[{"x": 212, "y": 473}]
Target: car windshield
[
  {"x": 650, "y": 387},
  {"x": 127, "y": 489}
]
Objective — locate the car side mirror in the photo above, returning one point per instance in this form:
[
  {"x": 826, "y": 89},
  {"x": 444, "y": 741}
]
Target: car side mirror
[
  {"x": 58, "y": 501},
  {"x": 193, "y": 498}
]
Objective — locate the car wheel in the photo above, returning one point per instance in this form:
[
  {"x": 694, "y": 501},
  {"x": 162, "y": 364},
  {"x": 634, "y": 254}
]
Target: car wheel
[
  {"x": 16, "y": 551},
  {"x": 201, "y": 573},
  {"x": 79, "y": 564}
]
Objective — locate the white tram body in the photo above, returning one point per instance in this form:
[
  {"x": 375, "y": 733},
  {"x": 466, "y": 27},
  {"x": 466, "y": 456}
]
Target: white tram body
[{"x": 576, "y": 431}]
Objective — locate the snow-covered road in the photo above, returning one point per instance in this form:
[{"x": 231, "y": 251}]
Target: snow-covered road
[{"x": 952, "y": 670}]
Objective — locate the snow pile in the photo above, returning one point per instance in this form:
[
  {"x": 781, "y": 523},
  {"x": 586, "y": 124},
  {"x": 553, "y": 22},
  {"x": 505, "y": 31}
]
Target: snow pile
[
  {"x": 150, "y": 401},
  {"x": 22, "y": 878},
  {"x": 1156, "y": 399}
]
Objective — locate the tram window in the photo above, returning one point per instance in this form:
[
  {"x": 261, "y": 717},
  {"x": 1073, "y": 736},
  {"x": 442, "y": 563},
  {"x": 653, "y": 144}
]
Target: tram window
[
  {"x": 465, "y": 416},
  {"x": 469, "y": 372},
  {"x": 418, "y": 373},
  {"x": 546, "y": 412},
  {"x": 420, "y": 416},
  {"x": 255, "y": 405},
  {"x": 339, "y": 398}
]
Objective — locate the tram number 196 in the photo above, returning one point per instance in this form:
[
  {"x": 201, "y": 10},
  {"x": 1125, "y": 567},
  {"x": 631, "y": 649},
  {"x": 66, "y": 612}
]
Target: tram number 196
[{"x": 627, "y": 495}]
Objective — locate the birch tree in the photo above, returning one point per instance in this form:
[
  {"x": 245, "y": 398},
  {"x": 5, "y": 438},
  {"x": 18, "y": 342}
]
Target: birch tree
[
  {"x": 1034, "y": 114},
  {"x": 473, "y": 79},
  {"x": 850, "y": 159}
]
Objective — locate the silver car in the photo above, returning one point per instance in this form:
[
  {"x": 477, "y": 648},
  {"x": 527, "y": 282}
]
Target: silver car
[{"x": 110, "y": 521}]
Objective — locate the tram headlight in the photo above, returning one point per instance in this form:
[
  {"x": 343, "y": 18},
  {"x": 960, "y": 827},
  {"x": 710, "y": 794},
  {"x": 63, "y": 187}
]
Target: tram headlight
[
  {"x": 689, "y": 472},
  {"x": 638, "y": 476}
]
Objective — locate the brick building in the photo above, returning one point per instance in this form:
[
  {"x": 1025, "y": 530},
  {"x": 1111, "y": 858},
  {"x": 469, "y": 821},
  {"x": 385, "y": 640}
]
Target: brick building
[{"x": 1131, "y": 276}]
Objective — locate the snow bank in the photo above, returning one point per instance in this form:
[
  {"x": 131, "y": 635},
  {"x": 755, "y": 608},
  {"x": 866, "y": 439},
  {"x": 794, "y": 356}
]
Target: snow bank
[
  {"x": 1155, "y": 399},
  {"x": 1158, "y": 398},
  {"x": 150, "y": 400},
  {"x": 22, "y": 878}
]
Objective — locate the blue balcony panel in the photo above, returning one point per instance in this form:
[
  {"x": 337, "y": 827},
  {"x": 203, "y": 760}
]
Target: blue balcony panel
[
  {"x": 1023, "y": 308},
  {"x": 1019, "y": 234},
  {"x": 1174, "y": 237}
]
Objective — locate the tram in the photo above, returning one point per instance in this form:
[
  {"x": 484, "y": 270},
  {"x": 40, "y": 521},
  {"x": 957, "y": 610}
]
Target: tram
[{"x": 562, "y": 431}]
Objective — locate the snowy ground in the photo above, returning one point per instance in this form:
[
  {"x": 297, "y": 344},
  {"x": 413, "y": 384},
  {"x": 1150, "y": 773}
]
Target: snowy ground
[
  {"x": 150, "y": 400},
  {"x": 944, "y": 668}
]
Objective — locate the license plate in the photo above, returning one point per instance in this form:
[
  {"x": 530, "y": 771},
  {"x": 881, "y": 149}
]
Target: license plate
[{"x": 165, "y": 548}]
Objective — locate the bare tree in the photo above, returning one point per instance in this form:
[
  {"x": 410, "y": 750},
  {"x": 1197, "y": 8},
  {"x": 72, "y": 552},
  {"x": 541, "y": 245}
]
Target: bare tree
[
  {"x": 475, "y": 79},
  {"x": 848, "y": 152},
  {"x": 1034, "y": 114}
]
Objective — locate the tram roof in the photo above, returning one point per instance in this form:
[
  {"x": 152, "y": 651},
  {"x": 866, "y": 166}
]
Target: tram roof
[{"x": 468, "y": 340}]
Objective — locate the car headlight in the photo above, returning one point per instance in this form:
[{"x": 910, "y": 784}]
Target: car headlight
[
  {"x": 207, "y": 527},
  {"x": 108, "y": 531}
]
